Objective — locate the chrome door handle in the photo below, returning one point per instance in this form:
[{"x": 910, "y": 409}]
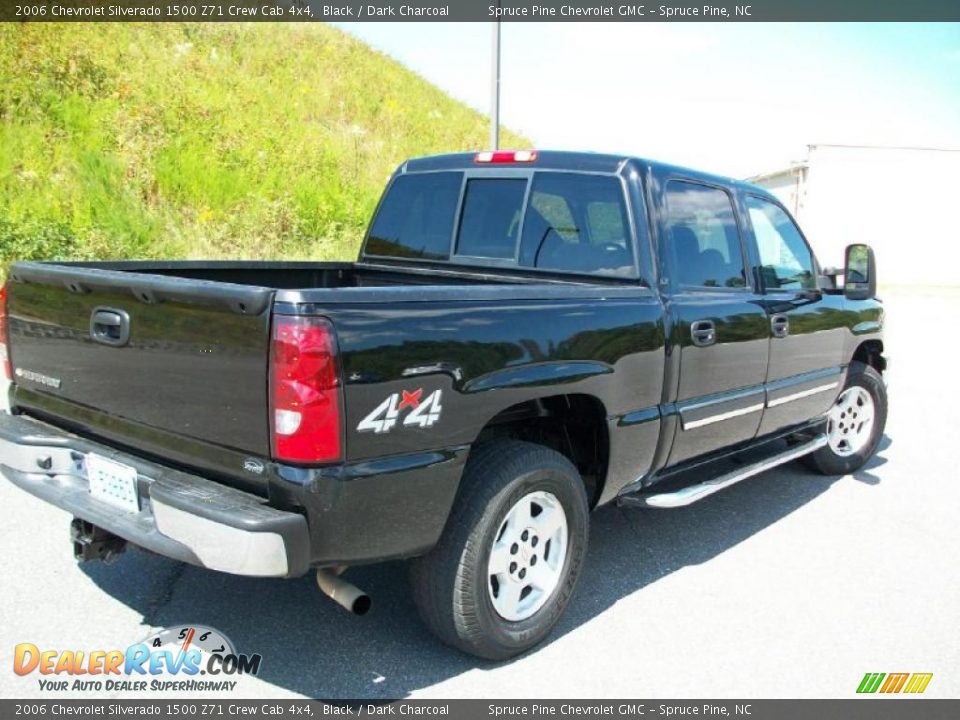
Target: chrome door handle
[
  {"x": 780, "y": 325},
  {"x": 703, "y": 333}
]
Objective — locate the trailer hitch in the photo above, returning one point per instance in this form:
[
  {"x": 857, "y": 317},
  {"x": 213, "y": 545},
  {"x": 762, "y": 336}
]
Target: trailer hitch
[{"x": 94, "y": 543}]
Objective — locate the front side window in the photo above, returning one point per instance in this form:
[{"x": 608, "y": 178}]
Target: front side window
[
  {"x": 415, "y": 219},
  {"x": 702, "y": 243},
  {"x": 490, "y": 221},
  {"x": 785, "y": 259},
  {"x": 577, "y": 223}
]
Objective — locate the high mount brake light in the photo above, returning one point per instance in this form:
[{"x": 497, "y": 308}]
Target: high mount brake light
[
  {"x": 4, "y": 336},
  {"x": 506, "y": 156},
  {"x": 305, "y": 407}
]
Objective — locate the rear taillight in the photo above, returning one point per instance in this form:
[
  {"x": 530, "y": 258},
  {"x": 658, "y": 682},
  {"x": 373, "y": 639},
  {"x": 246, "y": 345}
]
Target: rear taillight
[
  {"x": 304, "y": 390},
  {"x": 506, "y": 156},
  {"x": 4, "y": 337}
]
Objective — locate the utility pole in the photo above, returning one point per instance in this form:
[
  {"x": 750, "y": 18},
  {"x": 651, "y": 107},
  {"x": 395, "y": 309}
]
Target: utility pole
[{"x": 495, "y": 87}]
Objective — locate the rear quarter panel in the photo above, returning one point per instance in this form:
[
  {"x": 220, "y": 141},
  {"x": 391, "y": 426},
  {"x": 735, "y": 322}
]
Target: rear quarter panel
[{"x": 487, "y": 354}]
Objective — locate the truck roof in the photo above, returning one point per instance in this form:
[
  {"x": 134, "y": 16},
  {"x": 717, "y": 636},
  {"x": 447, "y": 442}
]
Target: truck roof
[{"x": 566, "y": 160}]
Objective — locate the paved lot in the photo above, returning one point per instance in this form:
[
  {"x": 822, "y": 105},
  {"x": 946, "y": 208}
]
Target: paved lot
[{"x": 789, "y": 584}]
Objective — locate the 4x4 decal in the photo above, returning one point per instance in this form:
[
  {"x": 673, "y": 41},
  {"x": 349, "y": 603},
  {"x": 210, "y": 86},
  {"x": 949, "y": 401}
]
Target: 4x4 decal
[{"x": 423, "y": 413}]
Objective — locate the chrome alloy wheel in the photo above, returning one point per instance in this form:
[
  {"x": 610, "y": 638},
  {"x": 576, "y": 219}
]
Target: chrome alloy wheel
[
  {"x": 527, "y": 556},
  {"x": 850, "y": 421}
]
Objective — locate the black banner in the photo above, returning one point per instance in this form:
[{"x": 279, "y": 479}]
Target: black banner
[
  {"x": 214, "y": 708},
  {"x": 475, "y": 11}
]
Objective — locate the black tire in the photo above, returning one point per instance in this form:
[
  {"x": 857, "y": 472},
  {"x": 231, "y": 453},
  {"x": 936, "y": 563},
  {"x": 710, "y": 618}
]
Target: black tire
[
  {"x": 450, "y": 584},
  {"x": 826, "y": 460}
]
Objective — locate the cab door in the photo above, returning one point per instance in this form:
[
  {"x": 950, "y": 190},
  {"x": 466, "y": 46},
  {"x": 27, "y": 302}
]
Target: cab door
[
  {"x": 720, "y": 327},
  {"x": 807, "y": 326}
]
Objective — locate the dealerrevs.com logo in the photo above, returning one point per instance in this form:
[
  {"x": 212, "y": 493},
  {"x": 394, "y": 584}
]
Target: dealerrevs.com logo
[{"x": 179, "y": 658}]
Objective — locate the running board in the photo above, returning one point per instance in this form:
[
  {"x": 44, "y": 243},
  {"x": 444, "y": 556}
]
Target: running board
[{"x": 688, "y": 495}]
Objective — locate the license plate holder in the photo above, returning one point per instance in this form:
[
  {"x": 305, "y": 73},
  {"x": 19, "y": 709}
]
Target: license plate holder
[{"x": 112, "y": 482}]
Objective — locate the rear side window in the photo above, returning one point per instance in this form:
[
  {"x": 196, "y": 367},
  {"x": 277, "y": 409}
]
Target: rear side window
[
  {"x": 702, "y": 242},
  {"x": 415, "y": 219},
  {"x": 490, "y": 221},
  {"x": 577, "y": 223}
]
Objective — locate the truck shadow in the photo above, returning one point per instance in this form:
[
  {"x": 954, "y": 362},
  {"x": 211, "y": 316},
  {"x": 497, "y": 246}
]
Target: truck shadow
[{"x": 312, "y": 647}]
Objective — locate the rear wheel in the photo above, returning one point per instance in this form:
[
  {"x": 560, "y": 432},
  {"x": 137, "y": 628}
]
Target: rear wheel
[
  {"x": 509, "y": 559},
  {"x": 855, "y": 423}
]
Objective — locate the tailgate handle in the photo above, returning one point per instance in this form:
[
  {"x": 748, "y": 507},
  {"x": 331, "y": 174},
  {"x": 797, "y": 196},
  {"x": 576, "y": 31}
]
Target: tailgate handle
[{"x": 110, "y": 327}]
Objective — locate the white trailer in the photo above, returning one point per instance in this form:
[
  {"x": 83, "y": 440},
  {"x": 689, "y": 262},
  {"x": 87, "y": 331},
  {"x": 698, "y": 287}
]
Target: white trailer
[{"x": 904, "y": 201}]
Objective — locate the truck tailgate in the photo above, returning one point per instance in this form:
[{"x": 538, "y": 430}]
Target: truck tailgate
[{"x": 194, "y": 362}]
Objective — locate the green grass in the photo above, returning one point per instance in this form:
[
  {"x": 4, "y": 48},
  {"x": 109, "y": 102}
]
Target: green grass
[{"x": 204, "y": 140}]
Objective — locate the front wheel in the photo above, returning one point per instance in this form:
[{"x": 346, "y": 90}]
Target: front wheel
[
  {"x": 855, "y": 423},
  {"x": 509, "y": 559}
]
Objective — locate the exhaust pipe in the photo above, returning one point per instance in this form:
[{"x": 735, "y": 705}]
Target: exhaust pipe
[{"x": 343, "y": 593}]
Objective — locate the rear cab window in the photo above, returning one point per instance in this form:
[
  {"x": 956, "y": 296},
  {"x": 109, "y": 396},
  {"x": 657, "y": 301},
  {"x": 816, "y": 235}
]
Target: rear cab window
[
  {"x": 577, "y": 223},
  {"x": 415, "y": 218},
  {"x": 547, "y": 220},
  {"x": 490, "y": 219}
]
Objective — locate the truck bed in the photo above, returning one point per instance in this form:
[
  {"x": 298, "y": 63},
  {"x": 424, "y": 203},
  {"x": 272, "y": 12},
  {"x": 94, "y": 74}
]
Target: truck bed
[{"x": 191, "y": 384}]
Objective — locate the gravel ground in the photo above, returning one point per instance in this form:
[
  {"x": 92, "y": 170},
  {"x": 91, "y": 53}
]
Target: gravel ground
[{"x": 787, "y": 585}]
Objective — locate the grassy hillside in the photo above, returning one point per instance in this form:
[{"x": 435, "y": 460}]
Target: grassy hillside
[{"x": 201, "y": 140}]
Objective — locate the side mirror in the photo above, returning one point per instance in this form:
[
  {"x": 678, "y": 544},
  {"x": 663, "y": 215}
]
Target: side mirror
[{"x": 860, "y": 273}]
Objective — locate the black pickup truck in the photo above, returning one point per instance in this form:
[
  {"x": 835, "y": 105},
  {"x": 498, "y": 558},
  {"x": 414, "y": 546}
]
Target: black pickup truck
[{"x": 524, "y": 337}]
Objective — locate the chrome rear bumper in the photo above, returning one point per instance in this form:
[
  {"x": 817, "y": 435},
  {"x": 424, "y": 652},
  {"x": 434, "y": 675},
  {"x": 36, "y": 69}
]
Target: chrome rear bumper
[{"x": 183, "y": 516}]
